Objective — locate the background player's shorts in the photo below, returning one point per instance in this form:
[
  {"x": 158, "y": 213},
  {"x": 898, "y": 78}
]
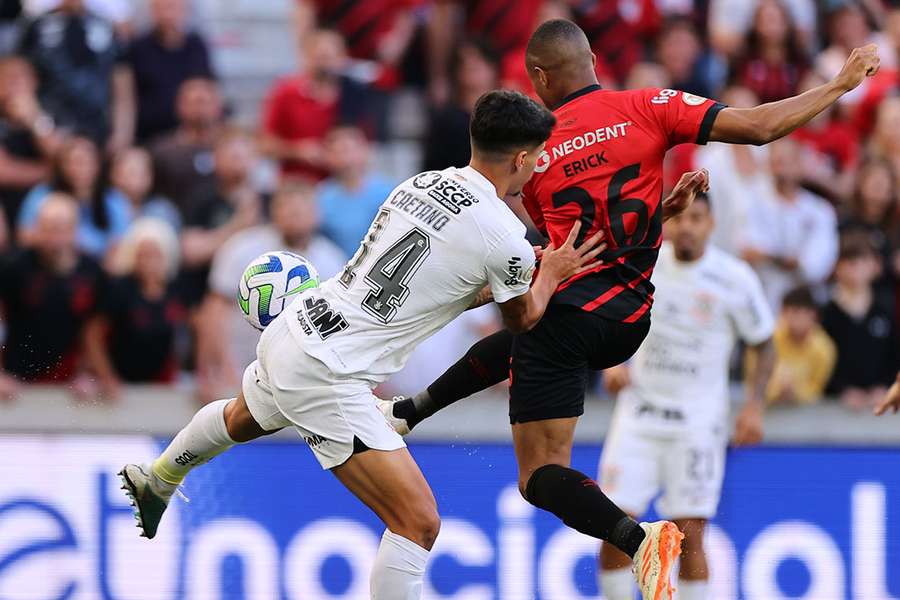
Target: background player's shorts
[
  {"x": 550, "y": 364},
  {"x": 285, "y": 386},
  {"x": 684, "y": 468}
]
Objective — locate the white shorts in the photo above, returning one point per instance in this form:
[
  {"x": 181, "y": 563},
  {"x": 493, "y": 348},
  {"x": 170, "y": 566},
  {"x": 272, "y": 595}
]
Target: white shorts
[
  {"x": 285, "y": 386},
  {"x": 683, "y": 468}
]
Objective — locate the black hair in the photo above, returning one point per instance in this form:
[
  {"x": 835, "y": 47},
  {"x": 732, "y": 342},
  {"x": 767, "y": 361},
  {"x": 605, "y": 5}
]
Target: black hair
[
  {"x": 60, "y": 183},
  {"x": 800, "y": 297},
  {"x": 505, "y": 122},
  {"x": 485, "y": 49}
]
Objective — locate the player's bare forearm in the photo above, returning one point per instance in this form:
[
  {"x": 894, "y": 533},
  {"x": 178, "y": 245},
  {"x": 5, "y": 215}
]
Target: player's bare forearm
[
  {"x": 768, "y": 122},
  {"x": 485, "y": 296},
  {"x": 521, "y": 314},
  {"x": 758, "y": 375}
]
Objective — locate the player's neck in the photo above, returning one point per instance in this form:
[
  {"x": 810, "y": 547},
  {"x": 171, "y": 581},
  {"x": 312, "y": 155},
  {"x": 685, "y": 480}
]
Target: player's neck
[
  {"x": 495, "y": 172},
  {"x": 574, "y": 86}
]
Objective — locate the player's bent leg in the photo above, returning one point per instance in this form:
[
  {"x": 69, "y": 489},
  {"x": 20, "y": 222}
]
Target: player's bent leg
[
  {"x": 543, "y": 450},
  {"x": 483, "y": 366},
  {"x": 693, "y": 575},
  {"x": 391, "y": 484}
]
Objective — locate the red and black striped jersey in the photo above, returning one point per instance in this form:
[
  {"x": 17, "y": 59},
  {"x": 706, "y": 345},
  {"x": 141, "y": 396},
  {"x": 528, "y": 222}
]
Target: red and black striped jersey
[
  {"x": 603, "y": 164},
  {"x": 363, "y": 23}
]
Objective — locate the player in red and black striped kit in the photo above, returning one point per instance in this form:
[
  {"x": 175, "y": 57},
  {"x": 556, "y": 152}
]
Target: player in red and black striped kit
[{"x": 602, "y": 166}]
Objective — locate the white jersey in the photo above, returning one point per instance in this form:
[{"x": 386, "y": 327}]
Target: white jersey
[
  {"x": 438, "y": 239},
  {"x": 680, "y": 372}
]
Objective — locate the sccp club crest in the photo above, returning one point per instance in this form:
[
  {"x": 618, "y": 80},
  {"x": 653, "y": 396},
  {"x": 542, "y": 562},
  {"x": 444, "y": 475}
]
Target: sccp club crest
[{"x": 423, "y": 181}]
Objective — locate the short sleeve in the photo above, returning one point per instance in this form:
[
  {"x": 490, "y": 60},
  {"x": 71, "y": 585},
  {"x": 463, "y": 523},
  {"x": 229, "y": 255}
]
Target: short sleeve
[
  {"x": 751, "y": 313},
  {"x": 510, "y": 266},
  {"x": 683, "y": 118}
]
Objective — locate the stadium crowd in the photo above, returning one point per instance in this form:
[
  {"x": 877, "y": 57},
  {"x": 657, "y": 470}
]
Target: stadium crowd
[{"x": 132, "y": 202}]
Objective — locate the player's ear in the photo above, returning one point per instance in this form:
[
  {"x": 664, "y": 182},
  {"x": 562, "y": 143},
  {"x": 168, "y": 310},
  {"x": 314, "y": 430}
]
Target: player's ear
[
  {"x": 519, "y": 160},
  {"x": 594, "y": 60},
  {"x": 541, "y": 76}
]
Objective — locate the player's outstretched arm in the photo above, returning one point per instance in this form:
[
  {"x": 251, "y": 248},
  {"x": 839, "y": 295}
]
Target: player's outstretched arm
[
  {"x": 768, "y": 122},
  {"x": 891, "y": 399},
  {"x": 522, "y": 313}
]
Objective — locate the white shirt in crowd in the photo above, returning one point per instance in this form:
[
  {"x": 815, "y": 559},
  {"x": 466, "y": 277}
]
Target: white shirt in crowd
[
  {"x": 804, "y": 228},
  {"x": 234, "y": 256},
  {"x": 700, "y": 310},
  {"x": 438, "y": 239},
  {"x": 731, "y": 192}
]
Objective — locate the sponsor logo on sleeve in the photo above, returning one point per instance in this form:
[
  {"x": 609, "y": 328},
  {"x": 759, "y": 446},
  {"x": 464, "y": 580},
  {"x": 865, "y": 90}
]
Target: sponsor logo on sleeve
[
  {"x": 516, "y": 273},
  {"x": 692, "y": 100}
]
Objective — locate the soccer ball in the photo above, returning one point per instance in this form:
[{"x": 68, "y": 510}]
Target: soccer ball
[{"x": 270, "y": 282}]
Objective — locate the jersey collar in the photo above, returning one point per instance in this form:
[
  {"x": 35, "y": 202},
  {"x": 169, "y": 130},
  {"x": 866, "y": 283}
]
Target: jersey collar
[
  {"x": 479, "y": 179},
  {"x": 578, "y": 94}
]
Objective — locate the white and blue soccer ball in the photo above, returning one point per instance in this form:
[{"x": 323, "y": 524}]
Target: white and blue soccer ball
[{"x": 270, "y": 282}]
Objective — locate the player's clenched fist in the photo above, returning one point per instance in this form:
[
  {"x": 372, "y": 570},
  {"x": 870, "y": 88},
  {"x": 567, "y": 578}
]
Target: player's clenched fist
[{"x": 862, "y": 62}]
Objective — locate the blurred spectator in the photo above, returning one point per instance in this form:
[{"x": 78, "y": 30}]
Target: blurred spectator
[
  {"x": 104, "y": 211},
  {"x": 847, "y": 28},
  {"x": 865, "y": 333},
  {"x": 48, "y": 291},
  {"x": 28, "y": 137},
  {"x": 120, "y": 13},
  {"x": 132, "y": 175},
  {"x": 773, "y": 60},
  {"x": 161, "y": 60},
  {"x": 476, "y": 70},
  {"x": 301, "y": 109},
  {"x": 183, "y": 160},
  {"x": 228, "y": 343},
  {"x": 618, "y": 31},
  {"x": 132, "y": 336},
  {"x": 83, "y": 83},
  {"x": 679, "y": 50},
  {"x": 233, "y": 205},
  {"x": 379, "y": 31},
  {"x": 739, "y": 177},
  {"x": 506, "y": 26},
  {"x": 805, "y": 355},
  {"x": 885, "y": 141},
  {"x": 875, "y": 209},
  {"x": 647, "y": 75},
  {"x": 830, "y": 149},
  {"x": 10, "y": 14},
  {"x": 731, "y": 20},
  {"x": 350, "y": 198},
  {"x": 791, "y": 233}
]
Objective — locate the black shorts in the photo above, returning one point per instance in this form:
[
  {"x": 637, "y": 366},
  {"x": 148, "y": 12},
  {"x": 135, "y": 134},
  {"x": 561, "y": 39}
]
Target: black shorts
[{"x": 550, "y": 365}]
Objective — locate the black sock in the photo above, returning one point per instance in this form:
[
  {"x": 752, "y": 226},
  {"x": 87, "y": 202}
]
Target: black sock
[
  {"x": 578, "y": 501},
  {"x": 485, "y": 364}
]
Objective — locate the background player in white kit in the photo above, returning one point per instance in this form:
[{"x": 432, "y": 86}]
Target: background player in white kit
[
  {"x": 438, "y": 241},
  {"x": 670, "y": 425}
]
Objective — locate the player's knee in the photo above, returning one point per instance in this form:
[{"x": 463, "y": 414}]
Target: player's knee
[{"x": 422, "y": 524}]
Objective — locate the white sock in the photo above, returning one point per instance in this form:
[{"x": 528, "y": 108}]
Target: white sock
[
  {"x": 399, "y": 569},
  {"x": 693, "y": 589},
  {"x": 617, "y": 584},
  {"x": 204, "y": 438}
]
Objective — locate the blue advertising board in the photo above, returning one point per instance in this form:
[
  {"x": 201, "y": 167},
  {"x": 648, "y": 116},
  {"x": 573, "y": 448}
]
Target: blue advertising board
[{"x": 264, "y": 521}]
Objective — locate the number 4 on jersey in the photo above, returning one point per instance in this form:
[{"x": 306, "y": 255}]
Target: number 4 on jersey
[{"x": 390, "y": 275}]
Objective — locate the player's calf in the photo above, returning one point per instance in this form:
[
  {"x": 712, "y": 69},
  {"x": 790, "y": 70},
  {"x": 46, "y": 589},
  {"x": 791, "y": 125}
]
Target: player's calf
[{"x": 693, "y": 576}]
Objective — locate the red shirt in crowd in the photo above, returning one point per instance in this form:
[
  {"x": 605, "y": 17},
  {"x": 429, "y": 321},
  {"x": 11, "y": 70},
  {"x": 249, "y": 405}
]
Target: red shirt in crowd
[
  {"x": 603, "y": 164},
  {"x": 292, "y": 114}
]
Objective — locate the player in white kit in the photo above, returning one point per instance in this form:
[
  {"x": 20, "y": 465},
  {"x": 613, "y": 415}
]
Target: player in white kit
[
  {"x": 441, "y": 243},
  {"x": 670, "y": 426}
]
